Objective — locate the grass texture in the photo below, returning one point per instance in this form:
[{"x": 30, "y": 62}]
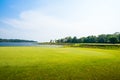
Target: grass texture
[{"x": 37, "y": 63}]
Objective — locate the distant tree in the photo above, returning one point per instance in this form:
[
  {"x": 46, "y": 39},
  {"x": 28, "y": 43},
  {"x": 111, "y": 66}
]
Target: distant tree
[
  {"x": 83, "y": 40},
  {"x": 69, "y": 39},
  {"x": 113, "y": 40},
  {"x": 59, "y": 41},
  {"x": 91, "y": 39},
  {"x": 101, "y": 38},
  {"x": 15, "y": 40},
  {"x": 74, "y": 40},
  {"x": 119, "y": 38},
  {"x": 117, "y": 34},
  {"x": 80, "y": 40}
]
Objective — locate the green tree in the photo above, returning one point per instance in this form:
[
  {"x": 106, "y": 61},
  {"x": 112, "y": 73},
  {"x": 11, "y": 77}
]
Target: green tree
[
  {"x": 113, "y": 40},
  {"x": 74, "y": 40},
  {"x": 101, "y": 38},
  {"x": 91, "y": 39}
]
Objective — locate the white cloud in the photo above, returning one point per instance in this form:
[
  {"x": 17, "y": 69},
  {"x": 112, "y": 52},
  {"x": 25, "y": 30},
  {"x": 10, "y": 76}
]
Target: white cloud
[
  {"x": 34, "y": 20},
  {"x": 72, "y": 19},
  {"x": 38, "y": 25}
]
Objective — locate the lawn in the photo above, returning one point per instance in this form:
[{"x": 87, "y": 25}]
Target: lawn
[{"x": 37, "y": 63}]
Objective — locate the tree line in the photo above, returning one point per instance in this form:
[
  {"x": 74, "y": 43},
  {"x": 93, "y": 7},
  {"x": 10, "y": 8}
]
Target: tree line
[
  {"x": 15, "y": 40},
  {"x": 103, "y": 38}
]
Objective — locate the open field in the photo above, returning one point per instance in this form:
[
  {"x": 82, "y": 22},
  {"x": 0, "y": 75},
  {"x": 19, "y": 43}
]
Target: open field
[{"x": 37, "y": 63}]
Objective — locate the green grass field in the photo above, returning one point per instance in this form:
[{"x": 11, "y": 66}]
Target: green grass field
[{"x": 37, "y": 63}]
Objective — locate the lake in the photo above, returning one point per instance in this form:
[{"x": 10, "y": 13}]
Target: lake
[
  {"x": 26, "y": 44},
  {"x": 18, "y": 44}
]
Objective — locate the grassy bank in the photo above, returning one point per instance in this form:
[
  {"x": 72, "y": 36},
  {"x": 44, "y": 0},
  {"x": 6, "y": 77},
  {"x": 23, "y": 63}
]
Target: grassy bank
[
  {"x": 96, "y": 45},
  {"x": 87, "y": 45},
  {"x": 36, "y": 63}
]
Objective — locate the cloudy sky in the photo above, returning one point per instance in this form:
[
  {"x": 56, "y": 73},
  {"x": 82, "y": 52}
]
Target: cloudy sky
[{"x": 43, "y": 20}]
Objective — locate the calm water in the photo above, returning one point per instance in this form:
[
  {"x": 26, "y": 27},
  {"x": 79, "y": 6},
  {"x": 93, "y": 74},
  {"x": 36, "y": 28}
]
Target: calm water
[
  {"x": 26, "y": 44},
  {"x": 18, "y": 44}
]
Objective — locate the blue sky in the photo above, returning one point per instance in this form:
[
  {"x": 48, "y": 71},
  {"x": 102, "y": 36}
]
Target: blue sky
[{"x": 43, "y": 20}]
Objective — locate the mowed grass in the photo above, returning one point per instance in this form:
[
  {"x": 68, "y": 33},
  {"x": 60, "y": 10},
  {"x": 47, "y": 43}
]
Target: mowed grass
[{"x": 37, "y": 63}]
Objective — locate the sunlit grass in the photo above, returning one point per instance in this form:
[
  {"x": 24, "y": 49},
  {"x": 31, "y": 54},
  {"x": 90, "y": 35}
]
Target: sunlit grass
[{"x": 36, "y": 63}]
